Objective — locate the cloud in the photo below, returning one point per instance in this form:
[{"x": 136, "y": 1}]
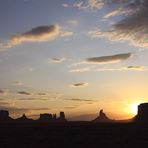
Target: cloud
[
  {"x": 109, "y": 59},
  {"x": 128, "y": 68},
  {"x": 18, "y": 83},
  {"x": 34, "y": 99},
  {"x": 83, "y": 84},
  {"x": 66, "y": 34},
  {"x": 37, "y": 34},
  {"x": 73, "y": 22},
  {"x": 139, "y": 68},
  {"x": 34, "y": 109},
  {"x": 133, "y": 23},
  {"x": 89, "y": 4},
  {"x": 132, "y": 27},
  {"x": 70, "y": 107},
  {"x": 4, "y": 103},
  {"x": 79, "y": 100},
  {"x": 24, "y": 93},
  {"x": 65, "y": 5},
  {"x": 41, "y": 94},
  {"x": 94, "y": 69},
  {"x": 111, "y": 14},
  {"x": 2, "y": 91},
  {"x": 83, "y": 69},
  {"x": 57, "y": 60}
]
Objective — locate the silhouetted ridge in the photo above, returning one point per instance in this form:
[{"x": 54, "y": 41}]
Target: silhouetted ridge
[
  {"x": 46, "y": 117},
  {"x": 102, "y": 117},
  {"x": 23, "y": 119}
]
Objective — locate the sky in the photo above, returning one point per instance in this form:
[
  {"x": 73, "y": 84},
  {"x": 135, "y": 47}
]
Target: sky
[{"x": 76, "y": 56}]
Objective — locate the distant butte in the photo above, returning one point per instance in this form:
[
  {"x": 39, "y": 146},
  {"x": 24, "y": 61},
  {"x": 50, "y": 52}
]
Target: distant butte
[{"x": 141, "y": 117}]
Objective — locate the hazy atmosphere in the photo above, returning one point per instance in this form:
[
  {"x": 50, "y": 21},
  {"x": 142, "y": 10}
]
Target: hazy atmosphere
[{"x": 76, "y": 56}]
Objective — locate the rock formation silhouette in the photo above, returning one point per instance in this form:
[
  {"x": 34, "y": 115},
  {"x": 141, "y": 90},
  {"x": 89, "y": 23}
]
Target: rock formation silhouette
[
  {"x": 102, "y": 117},
  {"x": 142, "y": 115},
  {"x": 46, "y": 117},
  {"x": 62, "y": 117},
  {"x": 4, "y": 116},
  {"x": 24, "y": 119}
]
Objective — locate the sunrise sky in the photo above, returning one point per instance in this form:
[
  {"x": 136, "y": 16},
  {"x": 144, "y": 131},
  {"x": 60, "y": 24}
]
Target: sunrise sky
[{"x": 76, "y": 56}]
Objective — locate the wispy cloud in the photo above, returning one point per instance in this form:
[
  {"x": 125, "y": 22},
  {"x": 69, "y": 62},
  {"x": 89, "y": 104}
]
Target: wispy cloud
[
  {"x": 73, "y": 22},
  {"x": 133, "y": 27},
  {"x": 70, "y": 107},
  {"x": 81, "y": 84},
  {"x": 82, "y": 69},
  {"x": 95, "y": 69},
  {"x": 129, "y": 68},
  {"x": 4, "y": 91},
  {"x": 34, "y": 99},
  {"x": 85, "y": 4},
  {"x": 24, "y": 93},
  {"x": 79, "y": 100},
  {"x": 66, "y": 34},
  {"x": 18, "y": 83},
  {"x": 65, "y": 5},
  {"x": 57, "y": 60}
]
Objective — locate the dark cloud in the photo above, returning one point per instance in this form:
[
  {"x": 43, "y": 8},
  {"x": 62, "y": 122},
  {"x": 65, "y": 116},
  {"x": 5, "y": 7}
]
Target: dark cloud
[
  {"x": 37, "y": 34},
  {"x": 2, "y": 91},
  {"x": 140, "y": 68},
  {"x": 24, "y": 93},
  {"x": 41, "y": 33},
  {"x": 79, "y": 100},
  {"x": 132, "y": 27},
  {"x": 34, "y": 99},
  {"x": 83, "y": 84},
  {"x": 110, "y": 58},
  {"x": 42, "y": 94}
]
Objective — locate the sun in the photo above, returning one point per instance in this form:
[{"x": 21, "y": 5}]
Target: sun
[{"x": 134, "y": 108}]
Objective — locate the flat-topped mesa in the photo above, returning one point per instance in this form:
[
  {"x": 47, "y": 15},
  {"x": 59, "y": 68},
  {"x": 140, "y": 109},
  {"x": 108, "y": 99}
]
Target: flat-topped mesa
[
  {"x": 45, "y": 117},
  {"x": 142, "y": 115}
]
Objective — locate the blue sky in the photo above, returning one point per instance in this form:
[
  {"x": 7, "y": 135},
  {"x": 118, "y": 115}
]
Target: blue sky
[{"x": 73, "y": 55}]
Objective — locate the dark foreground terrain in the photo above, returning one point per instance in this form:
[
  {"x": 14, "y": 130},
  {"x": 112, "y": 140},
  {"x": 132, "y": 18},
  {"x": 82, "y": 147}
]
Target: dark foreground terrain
[{"x": 74, "y": 135}]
